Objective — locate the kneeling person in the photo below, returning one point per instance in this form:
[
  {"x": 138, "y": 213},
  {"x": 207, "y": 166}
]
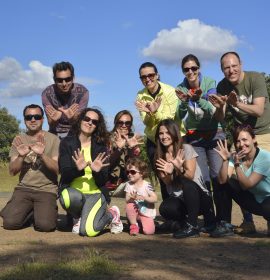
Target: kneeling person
[{"x": 34, "y": 155}]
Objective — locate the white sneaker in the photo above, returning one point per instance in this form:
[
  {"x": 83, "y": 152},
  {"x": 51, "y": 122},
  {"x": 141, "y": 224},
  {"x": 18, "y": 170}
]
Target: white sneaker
[
  {"x": 76, "y": 225},
  {"x": 116, "y": 224}
]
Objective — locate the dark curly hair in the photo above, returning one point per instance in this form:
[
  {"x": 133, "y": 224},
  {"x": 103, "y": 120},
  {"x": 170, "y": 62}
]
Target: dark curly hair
[{"x": 101, "y": 134}]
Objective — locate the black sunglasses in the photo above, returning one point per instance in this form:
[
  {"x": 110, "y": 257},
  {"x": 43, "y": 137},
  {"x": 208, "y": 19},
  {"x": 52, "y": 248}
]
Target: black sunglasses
[
  {"x": 151, "y": 76},
  {"x": 61, "y": 80},
  {"x": 93, "y": 121},
  {"x": 122, "y": 123},
  {"x": 132, "y": 172},
  {"x": 193, "y": 69},
  {"x": 30, "y": 117}
]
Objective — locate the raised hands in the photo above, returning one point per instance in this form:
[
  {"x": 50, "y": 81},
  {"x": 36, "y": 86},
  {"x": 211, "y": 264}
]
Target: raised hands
[
  {"x": 21, "y": 148},
  {"x": 184, "y": 97},
  {"x": 178, "y": 161},
  {"x": 217, "y": 101},
  {"x": 71, "y": 111},
  {"x": 79, "y": 160},
  {"x": 232, "y": 98},
  {"x": 98, "y": 163},
  {"x": 223, "y": 150},
  {"x": 52, "y": 113},
  {"x": 95, "y": 165},
  {"x": 148, "y": 107},
  {"x": 164, "y": 166},
  {"x": 119, "y": 141},
  {"x": 134, "y": 141},
  {"x": 39, "y": 146}
]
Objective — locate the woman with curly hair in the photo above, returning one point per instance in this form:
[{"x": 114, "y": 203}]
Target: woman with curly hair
[{"x": 84, "y": 173}]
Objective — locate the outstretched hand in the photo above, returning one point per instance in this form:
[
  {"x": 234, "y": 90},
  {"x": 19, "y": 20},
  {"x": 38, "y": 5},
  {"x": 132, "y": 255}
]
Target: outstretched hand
[
  {"x": 98, "y": 163},
  {"x": 52, "y": 113},
  {"x": 179, "y": 160},
  {"x": 79, "y": 160},
  {"x": 39, "y": 146},
  {"x": 164, "y": 166},
  {"x": 21, "y": 148},
  {"x": 134, "y": 141},
  {"x": 223, "y": 150},
  {"x": 217, "y": 101}
]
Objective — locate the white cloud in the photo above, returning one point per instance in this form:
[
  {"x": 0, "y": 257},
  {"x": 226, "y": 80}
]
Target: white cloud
[
  {"x": 16, "y": 81},
  {"x": 191, "y": 36}
]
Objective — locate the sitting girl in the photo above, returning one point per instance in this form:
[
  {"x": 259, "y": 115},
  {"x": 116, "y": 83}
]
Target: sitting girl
[{"x": 140, "y": 198}]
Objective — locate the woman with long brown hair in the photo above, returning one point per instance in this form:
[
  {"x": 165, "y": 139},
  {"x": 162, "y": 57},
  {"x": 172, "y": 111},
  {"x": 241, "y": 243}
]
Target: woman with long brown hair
[{"x": 177, "y": 167}]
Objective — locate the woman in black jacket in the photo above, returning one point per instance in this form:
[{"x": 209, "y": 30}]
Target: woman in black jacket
[{"x": 84, "y": 174}]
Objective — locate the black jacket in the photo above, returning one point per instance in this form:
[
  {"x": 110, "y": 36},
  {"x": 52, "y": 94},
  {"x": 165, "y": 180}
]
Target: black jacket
[{"x": 68, "y": 169}]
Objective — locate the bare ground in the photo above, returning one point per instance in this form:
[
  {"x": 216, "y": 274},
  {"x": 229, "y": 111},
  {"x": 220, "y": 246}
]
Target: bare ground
[{"x": 148, "y": 257}]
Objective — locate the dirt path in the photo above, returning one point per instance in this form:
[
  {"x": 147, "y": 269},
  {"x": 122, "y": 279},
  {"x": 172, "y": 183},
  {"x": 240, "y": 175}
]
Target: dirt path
[{"x": 148, "y": 257}]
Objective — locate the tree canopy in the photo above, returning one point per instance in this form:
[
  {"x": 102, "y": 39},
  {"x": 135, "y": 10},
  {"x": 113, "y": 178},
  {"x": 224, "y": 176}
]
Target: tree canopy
[{"x": 9, "y": 128}]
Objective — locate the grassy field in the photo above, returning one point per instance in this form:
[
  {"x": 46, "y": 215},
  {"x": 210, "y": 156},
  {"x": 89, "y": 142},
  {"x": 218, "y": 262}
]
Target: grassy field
[
  {"x": 91, "y": 265},
  {"x": 7, "y": 182}
]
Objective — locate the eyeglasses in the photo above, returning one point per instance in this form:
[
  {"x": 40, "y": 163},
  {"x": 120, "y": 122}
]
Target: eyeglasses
[
  {"x": 122, "y": 123},
  {"x": 61, "y": 80},
  {"x": 150, "y": 76},
  {"x": 93, "y": 121},
  {"x": 30, "y": 117},
  {"x": 193, "y": 69},
  {"x": 132, "y": 172}
]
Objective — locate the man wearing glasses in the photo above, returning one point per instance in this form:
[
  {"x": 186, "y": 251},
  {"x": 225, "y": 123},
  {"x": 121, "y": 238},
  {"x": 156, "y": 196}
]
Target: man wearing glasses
[
  {"x": 34, "y": 155},
  {"x": 63, "y": 100}
]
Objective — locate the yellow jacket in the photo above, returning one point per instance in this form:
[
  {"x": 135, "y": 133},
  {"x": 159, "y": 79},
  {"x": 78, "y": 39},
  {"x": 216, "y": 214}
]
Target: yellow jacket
[{"x": 166, "y": 110}]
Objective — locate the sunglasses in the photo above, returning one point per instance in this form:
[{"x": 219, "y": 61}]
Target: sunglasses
[
  {"x": 150, "y": 76},
  {"x": 122, "y": 123},
  {"x": 193, "y": 69},
  {"x": 93, "y": 121},
  {"x": 61, "y": 80},
  {"x": 30, "y": 117},
  {"x": 132, "y": 172}
]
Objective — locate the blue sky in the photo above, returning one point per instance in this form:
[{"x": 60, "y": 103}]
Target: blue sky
[{"x": 107, "y": 41}]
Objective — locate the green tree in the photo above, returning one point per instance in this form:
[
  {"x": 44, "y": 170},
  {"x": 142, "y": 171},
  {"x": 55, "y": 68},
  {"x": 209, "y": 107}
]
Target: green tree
[{"x": 9, "y": 128}]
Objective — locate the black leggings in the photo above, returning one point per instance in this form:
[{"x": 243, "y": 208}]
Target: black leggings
[
  {"x": 246, "y": 200},
  {"x": 194, "y": 202}
]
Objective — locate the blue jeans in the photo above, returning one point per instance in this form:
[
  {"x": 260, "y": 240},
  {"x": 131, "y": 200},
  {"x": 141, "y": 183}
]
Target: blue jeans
[{"x": 210, "y": 163}]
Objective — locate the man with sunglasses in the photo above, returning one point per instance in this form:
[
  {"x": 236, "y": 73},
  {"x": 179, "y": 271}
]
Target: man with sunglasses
[
  {"x": 63, "y": 100},
  {"x": 34, "y": 155}
]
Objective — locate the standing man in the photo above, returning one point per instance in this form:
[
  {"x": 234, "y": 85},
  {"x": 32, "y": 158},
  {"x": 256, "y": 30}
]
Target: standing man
[
  {"x": 64, "y": 100},
  {"x": 34, "y": 155},
  {"x": 245, "y": 95}
]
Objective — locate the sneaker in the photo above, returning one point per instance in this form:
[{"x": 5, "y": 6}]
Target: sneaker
[
  {"x": 208, "y": 229},
  {"x": 116, "y": 224},
  {"x": 246, "y": 228},
  {"x": 168, "y": 226},
  {"x": 222, "y": 229},
  {"x": 187, "y": 231},
  {"x": 134, "y": 230},
  {"x": 76, "y": 226}
]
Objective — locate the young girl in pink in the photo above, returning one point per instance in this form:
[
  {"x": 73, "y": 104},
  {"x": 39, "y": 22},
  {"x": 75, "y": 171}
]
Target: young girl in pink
[{"x": 140, "y": 198}]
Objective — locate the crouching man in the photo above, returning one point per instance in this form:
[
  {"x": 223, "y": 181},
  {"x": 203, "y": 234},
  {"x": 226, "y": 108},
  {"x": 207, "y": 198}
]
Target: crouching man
[{"x": 34, "y": 155}]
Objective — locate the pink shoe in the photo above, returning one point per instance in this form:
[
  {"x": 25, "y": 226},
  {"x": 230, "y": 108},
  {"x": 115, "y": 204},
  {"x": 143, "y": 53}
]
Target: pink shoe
[{"x": 134, "y": 230}]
